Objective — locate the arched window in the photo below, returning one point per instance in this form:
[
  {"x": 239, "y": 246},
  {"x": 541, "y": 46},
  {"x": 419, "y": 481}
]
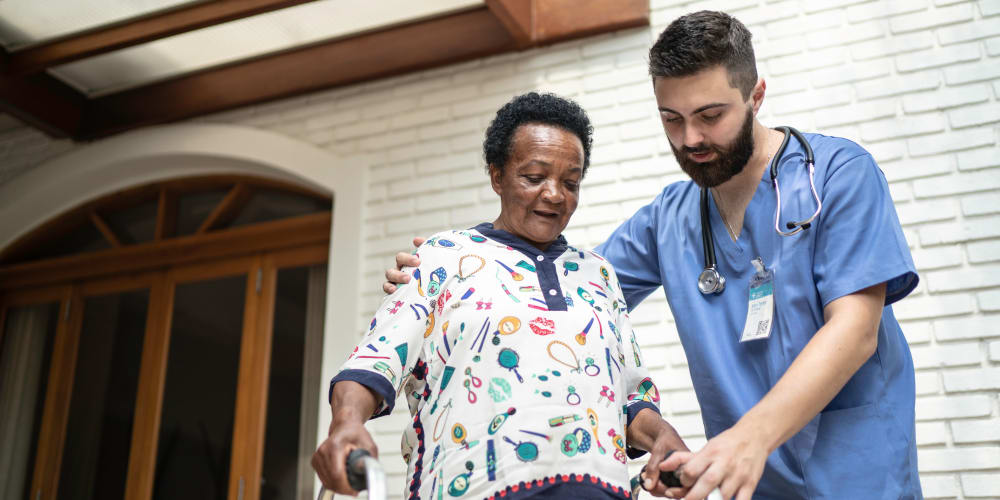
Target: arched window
[{"x": 164, "y": 342}]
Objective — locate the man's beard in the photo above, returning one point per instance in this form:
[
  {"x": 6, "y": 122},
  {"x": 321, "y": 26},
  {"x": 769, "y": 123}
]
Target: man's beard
[{"x": 729, "y": 161}]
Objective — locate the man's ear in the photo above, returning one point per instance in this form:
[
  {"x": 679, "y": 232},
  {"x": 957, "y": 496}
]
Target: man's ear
[
  {"x": 496, "y": 176},
  {"x": 757, "y": 95}
]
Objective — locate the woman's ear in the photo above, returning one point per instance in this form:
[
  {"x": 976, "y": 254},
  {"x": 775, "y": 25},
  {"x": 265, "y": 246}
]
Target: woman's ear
[{"x": 496, "y": 176}]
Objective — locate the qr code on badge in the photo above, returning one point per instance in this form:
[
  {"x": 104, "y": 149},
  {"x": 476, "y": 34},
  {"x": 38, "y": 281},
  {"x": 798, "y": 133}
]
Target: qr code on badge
[{"x": 762, "y": 327}]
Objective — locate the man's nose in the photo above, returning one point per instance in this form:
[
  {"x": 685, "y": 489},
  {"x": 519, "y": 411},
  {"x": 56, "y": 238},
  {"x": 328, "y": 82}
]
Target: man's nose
[{"x": 693, "y": 137}]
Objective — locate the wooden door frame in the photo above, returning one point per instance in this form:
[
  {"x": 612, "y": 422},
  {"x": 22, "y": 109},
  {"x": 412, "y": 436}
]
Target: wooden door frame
[{"x": 252, "y": 381}]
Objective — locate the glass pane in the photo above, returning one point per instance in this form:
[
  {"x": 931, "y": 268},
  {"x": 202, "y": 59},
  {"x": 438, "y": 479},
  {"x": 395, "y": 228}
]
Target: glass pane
[
  {"x": 290, "y": 435},
  {"x": 25, "y": 354},
  {"x": 99, "y": 430},
  {"x": 84, "y": 238},
  {"x": 269, "y": 204},
  {"x": 194, "y": 208},
  {"x": 135, "y": 224},
  {"x": 199, "y": 398}
]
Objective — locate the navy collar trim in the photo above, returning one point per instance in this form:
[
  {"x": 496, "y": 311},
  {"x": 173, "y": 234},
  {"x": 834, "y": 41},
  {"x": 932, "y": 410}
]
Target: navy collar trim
[{"x": 552, "y": 253}]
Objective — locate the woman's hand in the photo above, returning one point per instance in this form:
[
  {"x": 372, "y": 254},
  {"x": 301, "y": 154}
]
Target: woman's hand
[
  {"x": 395, "y": 276},
  {"x": 352, "y": 404},
  {"x": 658, "y": 464},
  {"x": 330, "y": 459},
  {"x": 649, "y": 431}
]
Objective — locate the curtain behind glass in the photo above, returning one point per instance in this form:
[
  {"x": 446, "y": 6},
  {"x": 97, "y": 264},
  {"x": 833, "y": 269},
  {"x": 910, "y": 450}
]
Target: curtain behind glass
[{"x": 24, "y": 356}]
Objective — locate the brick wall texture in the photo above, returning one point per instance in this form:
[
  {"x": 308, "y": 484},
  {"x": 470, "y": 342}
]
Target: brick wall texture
[{"x": 916, "y": 82}]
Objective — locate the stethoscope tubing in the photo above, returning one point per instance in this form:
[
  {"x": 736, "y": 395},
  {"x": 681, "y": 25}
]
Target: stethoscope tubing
[{"x": 710, "y": 281}]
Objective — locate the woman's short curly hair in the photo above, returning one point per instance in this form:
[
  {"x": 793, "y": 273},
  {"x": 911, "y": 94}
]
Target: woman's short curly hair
[{"x": 546, "y": 109}]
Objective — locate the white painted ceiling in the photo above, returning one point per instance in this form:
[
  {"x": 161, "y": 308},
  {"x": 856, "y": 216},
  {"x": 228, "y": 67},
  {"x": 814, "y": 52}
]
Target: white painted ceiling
[{"x": 24, "y": 23}]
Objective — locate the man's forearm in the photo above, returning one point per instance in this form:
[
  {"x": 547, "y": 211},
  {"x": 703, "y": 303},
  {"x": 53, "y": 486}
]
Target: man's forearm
[{"x": 820, "y": 371}]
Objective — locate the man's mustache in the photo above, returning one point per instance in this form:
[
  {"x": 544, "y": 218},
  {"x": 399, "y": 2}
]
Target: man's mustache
[{"x": 701, "y": 148}]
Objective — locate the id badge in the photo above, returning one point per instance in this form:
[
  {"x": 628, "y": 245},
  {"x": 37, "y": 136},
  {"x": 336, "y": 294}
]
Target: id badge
[{"x": 760, "y": 310}]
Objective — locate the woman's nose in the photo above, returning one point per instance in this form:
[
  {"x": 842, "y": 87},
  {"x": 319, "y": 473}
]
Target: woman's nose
[{"x": 552, "y": 194}]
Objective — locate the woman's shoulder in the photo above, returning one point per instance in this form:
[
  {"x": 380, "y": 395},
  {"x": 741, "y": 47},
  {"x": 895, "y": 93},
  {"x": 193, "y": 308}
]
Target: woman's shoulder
[
  {"x": 585, "y": 254},
  {"x": 452, "y": 244}
]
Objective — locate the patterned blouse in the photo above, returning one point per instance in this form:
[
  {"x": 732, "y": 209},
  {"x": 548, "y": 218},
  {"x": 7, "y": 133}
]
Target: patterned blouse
[{"x": 520, "y": 368}]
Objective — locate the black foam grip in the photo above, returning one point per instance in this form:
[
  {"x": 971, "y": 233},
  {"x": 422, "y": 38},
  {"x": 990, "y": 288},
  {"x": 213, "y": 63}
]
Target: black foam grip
[
  {"x": 669, "y": 479},
  {"x": 356, "y": 469}
]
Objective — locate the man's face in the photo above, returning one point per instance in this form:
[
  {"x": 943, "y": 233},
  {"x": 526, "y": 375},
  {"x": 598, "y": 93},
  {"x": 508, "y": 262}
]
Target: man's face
[{"x": 708, "y": 124}]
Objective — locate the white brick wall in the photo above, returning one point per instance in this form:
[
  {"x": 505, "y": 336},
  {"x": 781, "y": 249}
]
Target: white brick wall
[{"x": 917, "y": 82}]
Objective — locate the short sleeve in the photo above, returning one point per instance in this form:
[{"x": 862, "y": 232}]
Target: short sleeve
[
  {"x": 860, "y": 242},
  {"x": 388, "y": 354},
  {"x": 632, "y": 250}
]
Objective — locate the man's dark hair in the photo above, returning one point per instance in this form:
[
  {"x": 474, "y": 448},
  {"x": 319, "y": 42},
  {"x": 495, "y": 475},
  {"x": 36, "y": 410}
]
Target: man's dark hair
[
  {"x": 545, "y": 109},
  {"x": 702, "y": 40}
]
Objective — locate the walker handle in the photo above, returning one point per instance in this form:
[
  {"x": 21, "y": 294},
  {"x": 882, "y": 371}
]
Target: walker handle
[{"x": 356, "y": 469}]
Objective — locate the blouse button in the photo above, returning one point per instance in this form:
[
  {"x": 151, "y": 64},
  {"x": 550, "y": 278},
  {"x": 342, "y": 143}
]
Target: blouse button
[
  {"x": 541, "y": 258},
  {"x": 552, "y": 292}
]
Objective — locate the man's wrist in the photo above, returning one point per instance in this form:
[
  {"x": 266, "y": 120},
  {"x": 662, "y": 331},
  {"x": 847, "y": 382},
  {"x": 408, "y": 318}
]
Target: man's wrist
[{"x": 765, "y": 432}]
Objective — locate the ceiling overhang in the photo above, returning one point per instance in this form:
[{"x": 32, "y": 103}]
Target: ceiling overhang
[{"x": 497, "y": 26}]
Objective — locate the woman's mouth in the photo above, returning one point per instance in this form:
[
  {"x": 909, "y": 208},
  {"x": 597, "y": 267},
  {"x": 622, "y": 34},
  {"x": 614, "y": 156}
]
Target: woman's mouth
[{"x": 548, "y": 214}]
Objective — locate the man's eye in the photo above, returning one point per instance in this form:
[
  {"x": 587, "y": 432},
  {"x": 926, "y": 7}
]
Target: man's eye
[
  {"x": 534, "y": 179},
  {"x": 572, "y": 186},
  {"x": 711, "y": 118}
]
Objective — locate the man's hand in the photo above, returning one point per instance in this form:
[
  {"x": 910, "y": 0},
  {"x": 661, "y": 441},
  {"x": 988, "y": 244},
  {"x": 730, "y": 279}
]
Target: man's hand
[
  {"x": 733, "y": 461},
  {"x": 395, "y": 276}
]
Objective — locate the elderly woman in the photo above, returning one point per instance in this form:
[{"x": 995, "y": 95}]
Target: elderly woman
[{"x": 513, "y": 348}]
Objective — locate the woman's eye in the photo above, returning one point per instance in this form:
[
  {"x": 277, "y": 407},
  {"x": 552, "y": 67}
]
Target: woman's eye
[
  {"x": 534, "y": 179},
  {"x": 572, "y": 186},
  {"x": 671, "y": 119}
]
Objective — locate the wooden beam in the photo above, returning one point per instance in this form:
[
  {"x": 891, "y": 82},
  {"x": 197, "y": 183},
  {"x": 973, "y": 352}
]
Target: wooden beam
[
  {"x": 149, "y": 394},
  {"x": 105, "y": 229},
  {"x": 557, "y": 20},
  {"x": 58, "y": 394},
  {"x": 426, "y": 44},
  {"x": 227, "y": 209},
  {"x": 285, "y": 233},
  {"x": 518, "y": 17},
  {"x": 44, "y": 103},
  {"x": 166, "y": 215},
  {"x": 135, "y": 31}
]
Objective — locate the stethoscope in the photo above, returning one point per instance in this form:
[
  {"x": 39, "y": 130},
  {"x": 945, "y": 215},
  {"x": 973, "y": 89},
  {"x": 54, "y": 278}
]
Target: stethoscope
[{"x": 710, "y": 280}]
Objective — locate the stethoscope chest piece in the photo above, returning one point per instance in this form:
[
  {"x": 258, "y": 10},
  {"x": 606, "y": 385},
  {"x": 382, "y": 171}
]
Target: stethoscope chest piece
[{"x": 710, "y": 281}]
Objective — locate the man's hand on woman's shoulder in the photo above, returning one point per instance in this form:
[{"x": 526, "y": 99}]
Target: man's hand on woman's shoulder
[{"x": 395, "y": 276}]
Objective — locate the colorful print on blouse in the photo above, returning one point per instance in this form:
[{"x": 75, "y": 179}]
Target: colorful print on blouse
[{"x": 519, "y": 366}]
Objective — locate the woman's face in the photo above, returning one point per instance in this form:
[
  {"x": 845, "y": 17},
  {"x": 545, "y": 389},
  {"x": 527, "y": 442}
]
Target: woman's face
[{"x": 540, "y": 186}]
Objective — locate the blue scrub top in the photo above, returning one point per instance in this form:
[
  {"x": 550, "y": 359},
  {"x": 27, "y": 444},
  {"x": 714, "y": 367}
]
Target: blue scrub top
[{"x": 862, "y": 444}]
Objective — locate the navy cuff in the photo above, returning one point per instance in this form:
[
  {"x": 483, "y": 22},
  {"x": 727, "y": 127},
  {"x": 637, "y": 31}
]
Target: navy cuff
[
  {"x": 371, "y": 380},
  {"x": 633, "y": 409}
]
